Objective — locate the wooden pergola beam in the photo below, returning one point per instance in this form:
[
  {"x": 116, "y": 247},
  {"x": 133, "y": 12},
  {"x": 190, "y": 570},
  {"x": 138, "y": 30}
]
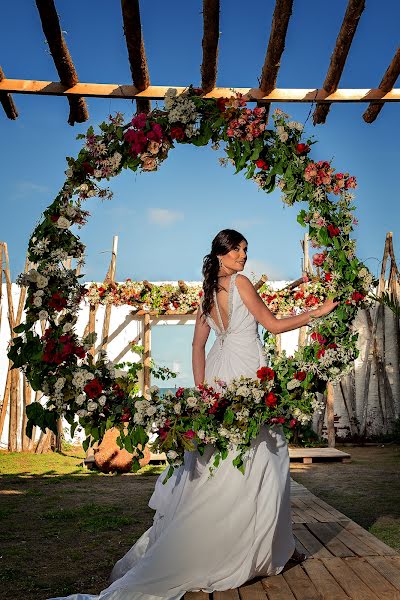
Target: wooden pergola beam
[
  {"x": 154, "y": 92},
  {"x": 211, "y": 9},
  {"x": 276, "y": 45},
  {"x": 388, "y": 81},
  {"x": 136, "y": 51},
  {"x": 339, "y": 56},
  {"x": 62, "y": 58},
  {"x": 7, "y": 101}
]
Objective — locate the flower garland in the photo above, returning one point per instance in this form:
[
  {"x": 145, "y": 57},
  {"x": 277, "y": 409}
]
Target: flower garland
[{"x": 58, "y": 362}]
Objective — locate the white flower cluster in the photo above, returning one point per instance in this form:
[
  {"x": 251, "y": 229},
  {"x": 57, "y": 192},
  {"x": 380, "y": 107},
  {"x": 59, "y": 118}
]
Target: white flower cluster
[
  {"x": 282, "y": 133},
  {"x": 296, "y": 125},
  {"x": 301, "y": 417},
  {"x": 366, "y": 276},
  {"x": 181, "y": 109},
  {"x": 317, "y": 405},
  {"x": 81, "y": 377},
  {"x": 293, "y": 384},
  {"x": 33, "y": 276}
]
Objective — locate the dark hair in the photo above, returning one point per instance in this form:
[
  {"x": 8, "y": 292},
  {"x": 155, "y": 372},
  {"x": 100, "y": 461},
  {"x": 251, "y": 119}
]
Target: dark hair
[{"x": 224, "y": 242}]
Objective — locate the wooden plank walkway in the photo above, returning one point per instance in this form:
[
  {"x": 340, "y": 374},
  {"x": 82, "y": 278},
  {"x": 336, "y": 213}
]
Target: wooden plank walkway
[{"x": 346, "y": 561}]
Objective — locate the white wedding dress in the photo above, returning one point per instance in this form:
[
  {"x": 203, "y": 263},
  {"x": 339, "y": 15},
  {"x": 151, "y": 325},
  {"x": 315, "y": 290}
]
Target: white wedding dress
[{"x": 216, "y": 532}]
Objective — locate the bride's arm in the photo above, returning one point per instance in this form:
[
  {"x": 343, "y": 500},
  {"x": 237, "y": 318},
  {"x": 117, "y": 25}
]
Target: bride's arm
[
  {"x": 200, "y": 337},
  {"x": 267, "y": 319}
]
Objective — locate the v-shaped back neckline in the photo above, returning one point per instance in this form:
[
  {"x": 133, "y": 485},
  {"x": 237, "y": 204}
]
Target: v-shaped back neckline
[{"x": 222, "y": 328}]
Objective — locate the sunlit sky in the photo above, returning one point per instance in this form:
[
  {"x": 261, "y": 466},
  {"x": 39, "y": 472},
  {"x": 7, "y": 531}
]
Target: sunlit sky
[{"x": 166, "y": 220}]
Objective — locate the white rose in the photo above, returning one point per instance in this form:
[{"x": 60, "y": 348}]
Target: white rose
[
  {"x": 201, "y": 434},
  {"x": 63, "y": 223},
  {"x": 69, "y": 172},
  {"x": 67, "y": 327},
  {"x": 91, "y": 405},
  {"x": 192, "y": 401},
  {"x": 97, "y": 173},
  {"x": 82, "y": 412},
  {"x": 293, "y": 383},
  {"x": 43, "y": 315},
  {"x": 37, "y": 301},
  {"x": 41, "y": 281},
  {"x": 84, "y": 187},
  {"x": 168, "y": 394},
  {"x": 243, "y": 391},
  {"x": 80, "y": 399},
  {"x": 172, "y": 454},
  {"x": 154, "y": 389},
  {"x": 39, "y": 293},
  {"x": 137, "y": 418},
  {"x": 177, "y": 408},
  {"x": 151, "y": 411},
  {"x": 59, "y": 383},
  {"x": 102, "y": 400}
]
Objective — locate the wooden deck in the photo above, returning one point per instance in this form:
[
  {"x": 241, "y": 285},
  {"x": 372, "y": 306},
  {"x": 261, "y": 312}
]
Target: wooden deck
[
  {"x": 346, "y": 561},
  {"x": 308, "y": 455}
]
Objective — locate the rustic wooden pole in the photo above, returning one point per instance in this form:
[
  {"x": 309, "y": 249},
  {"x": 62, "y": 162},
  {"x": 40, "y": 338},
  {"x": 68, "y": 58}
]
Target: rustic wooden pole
[
  {"x": 1, "y": 280},
  {"x": 26, "y": 400},
  {"x": 92, "y": 325},
  {"x": 110, "y": 278},
  {"x": 304, "y": 244},
  {"x": 330, "y": 414},
  {"x": 146, "y": 354},
  {"x": 13, "y": 414}
]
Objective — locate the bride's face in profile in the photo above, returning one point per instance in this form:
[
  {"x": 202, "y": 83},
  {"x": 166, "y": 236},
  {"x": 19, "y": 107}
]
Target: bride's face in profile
[{"x": 234, "y": 260}]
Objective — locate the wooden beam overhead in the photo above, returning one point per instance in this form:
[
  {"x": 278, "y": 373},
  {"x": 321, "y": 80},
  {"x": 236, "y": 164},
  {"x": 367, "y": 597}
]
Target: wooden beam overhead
[
  {"x": 339, "y": 56},
  {"x": 276, "y": 45},
  {"x": 209, "y": 68},
  {"x": 153, "y": 92},
  {"x": 7, "y": 101},
  {"x": 388, "y": 81},
  {"x": 136, "y": 51},
  {"x": 62, "y": 58}
]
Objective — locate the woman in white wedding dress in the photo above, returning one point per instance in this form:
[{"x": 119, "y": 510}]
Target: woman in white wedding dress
[{"x": 214, "y": 533}]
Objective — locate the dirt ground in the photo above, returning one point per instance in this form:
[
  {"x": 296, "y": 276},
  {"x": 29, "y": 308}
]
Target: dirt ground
[{"x": 62, "y": 528}]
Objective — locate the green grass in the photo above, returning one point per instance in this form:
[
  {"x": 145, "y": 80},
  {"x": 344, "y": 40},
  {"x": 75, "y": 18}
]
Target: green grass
[{"x": 90, "y": 517}]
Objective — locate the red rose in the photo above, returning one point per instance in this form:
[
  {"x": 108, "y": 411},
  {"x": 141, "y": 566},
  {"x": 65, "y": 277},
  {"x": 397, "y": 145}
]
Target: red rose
[
  {"x": 57, "y": 301},
  {"x": 333, "y": 345},
  {"x": 179, "y": 392},
  {"x": 261, "y": 164},
  {"x": 328, "y": 276},
  {"x": 311, "y": 300},
  {"x": 293, "y": 423},
  {"x": 333, "y": 231},
  {"x": 276, "y": 420},
  {"x": 265, "y": 374},
  {"x": 299, "y": 295},
  {"x": 189, "y": 434},
  {"x": 302, "y": 148},
  {"x": 320, "y": 353},
  {"x": 177, "y": 133},
  {"x": 271, "y": 400},
  {"x": 87, "y": 167},
  {"x": 221, "y": 104},
  {"x": 139, "y": 121},
  {"x": 356, "y": 296},
  {"x": 93, "y": 388},
  {"x": 162, "y": 433},
  {"x": 54, "y": 218},
  {"x": 300, "y": 375},
  {"x": 126, "y": 416},
  {"x": 80, "y": 351},
  {"x": 317, "y": 337}
]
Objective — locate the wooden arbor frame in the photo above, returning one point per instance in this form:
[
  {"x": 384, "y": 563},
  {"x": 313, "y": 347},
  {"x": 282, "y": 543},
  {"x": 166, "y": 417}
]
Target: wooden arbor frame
[{"x": 144, "y": 92}]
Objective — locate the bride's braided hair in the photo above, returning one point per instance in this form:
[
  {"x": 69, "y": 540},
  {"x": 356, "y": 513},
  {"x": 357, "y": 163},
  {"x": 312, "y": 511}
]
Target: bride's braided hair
[{"x": 224, "y": 241}]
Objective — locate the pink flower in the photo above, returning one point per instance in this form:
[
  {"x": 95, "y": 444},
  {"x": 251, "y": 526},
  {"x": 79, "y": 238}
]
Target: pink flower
[
  {"x": 319, "y": 259},
  {"x": 139, "y": 121}
]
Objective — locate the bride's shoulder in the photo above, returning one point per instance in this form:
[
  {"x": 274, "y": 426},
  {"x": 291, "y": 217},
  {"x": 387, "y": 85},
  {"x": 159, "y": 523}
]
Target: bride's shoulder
[{"x": 243, "y": 283}]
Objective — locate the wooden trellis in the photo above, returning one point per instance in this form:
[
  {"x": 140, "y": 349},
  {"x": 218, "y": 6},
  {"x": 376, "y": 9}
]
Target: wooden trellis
[{"x": 265, "y": 92}]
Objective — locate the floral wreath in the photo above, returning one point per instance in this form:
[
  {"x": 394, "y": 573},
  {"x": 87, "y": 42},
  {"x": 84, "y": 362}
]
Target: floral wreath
[{"x": 58, "y": 362}]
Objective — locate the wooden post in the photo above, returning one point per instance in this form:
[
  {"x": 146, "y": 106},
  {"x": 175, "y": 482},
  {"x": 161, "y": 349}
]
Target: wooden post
[
  {"x": 1, "y": 282},
  {"x": 26, "y": 400},
  {"x": 12, "y": 430},
  {"x": 330, "y": 414},
  {"x": 92, "y": 325},
  {"x": 110, "y": 278},
  {"x": 146, "y": 354}
]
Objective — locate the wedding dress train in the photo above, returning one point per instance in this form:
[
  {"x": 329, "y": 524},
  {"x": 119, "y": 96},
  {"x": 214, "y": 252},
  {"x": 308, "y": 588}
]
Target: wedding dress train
[{"x": 216, "y": 532}]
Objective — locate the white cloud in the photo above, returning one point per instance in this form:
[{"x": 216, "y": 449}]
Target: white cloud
[
  {"x": 24, "y": 188},
  {"x": 164, "y": 217}
]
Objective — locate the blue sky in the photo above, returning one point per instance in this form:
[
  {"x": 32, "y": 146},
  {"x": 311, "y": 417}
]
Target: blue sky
[{"x": 166, "y": 220}]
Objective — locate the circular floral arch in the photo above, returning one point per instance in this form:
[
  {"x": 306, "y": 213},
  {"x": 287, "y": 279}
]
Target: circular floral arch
[{"x": 58, "y": 362}]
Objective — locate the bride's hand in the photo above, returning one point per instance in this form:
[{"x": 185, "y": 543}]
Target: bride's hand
[{"x": 325, "y": 308}]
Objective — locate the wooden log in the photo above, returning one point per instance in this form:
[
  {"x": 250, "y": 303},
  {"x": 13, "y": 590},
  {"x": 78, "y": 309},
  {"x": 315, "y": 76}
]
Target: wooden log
[
  {"x": 44, "y": 442},
  {"x": 92, "y": 325},
  {"x": 13, "y": 418},
  {"x": 338, "y": 59},
  {"x": 386, "y": 84},
  {"x": 7, "y": 101},
  {"x": 146, "y": 354},
  {"x": 157, "y": 92},
  {"x": 330, "y": 414},
  {"x": 136, "y": 51},
  {"x": 26, "y": 401},
  {"x": 260, "y": 282},
  {"x": 209, "y": 67},
  {"x": 6, "y": 398},
  {"x": 62, "y": 58},
  {"x": 276, "y": 45},
  {"x": 110, "y": 278},
  {"x": 1, "y": 280}
]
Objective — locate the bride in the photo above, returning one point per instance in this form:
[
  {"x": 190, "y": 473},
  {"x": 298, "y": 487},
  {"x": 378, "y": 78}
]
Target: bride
[{"x": 216, "y": 532}]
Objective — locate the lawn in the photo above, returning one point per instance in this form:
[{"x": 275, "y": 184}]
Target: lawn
[{"x": 62, "y": 527}]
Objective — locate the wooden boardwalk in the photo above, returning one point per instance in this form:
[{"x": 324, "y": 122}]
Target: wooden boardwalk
[{"x": 346, "y": 561}]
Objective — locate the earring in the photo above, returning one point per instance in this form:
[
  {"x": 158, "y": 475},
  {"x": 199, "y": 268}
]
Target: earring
[{"x": 220, "y": 262}]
